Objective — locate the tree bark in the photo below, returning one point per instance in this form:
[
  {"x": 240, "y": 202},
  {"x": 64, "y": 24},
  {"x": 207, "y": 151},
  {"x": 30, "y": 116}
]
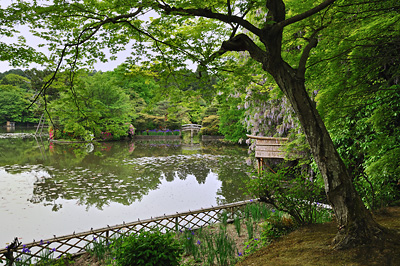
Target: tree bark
[{"x": 355, "y": 223}]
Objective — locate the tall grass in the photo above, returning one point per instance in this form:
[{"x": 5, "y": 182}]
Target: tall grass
[
  {"x": 100, "y": 248},
  {"x": 212, "y": 248}
]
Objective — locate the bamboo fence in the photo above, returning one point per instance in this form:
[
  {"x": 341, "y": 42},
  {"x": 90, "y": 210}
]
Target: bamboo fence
[{"x": 77, "y": 243}]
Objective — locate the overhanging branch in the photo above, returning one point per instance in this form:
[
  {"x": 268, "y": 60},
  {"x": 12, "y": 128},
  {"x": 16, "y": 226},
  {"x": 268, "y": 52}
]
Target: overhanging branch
[
  {"x": 207, "y": 13},
  {"x": 306, "y": 14}
]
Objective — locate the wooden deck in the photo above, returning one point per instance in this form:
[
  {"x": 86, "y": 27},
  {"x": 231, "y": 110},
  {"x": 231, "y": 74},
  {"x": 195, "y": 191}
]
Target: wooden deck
[{"x": 268, "y": 148}]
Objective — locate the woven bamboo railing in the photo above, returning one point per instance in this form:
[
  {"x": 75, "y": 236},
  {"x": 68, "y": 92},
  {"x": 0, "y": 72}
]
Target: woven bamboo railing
[{"x": 78, "y": 242}]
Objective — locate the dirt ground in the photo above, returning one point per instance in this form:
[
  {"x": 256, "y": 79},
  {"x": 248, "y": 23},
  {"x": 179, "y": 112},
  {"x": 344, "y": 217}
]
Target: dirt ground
[{"x": 311, "y": 245}]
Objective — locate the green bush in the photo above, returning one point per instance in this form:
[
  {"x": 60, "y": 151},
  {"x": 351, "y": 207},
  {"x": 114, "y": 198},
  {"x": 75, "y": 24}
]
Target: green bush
[
  {"x": 147, "y": 248},
  {"x": 293, "y": 191},
  {"x": 210, "y": 126},
  {"x": 173, "y": 123},
  {"x": 146, "y": 122},
  {"x": 276, "y": 226}
]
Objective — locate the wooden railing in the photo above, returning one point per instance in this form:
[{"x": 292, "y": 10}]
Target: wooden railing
[
  {"x": 78, "y": 242},
  {"x": 192, "y": 128},
  {"x": 188, "y": 127}
]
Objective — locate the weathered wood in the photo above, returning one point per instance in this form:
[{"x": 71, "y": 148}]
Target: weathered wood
[
  {"x": 10, "y": 124},
  {"x": 268, "y": 147},
  {"x": 265, "y": 138},
  {"x": 269, "y": 154},
  {"x": 272, "y": 148},
  {"x": 192, "y": 128},
  {"x": 188, "y": 127},
  {"x": 263, "y": 142}
]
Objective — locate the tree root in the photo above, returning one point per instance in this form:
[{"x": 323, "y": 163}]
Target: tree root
[{"x": 363, "y": 235}]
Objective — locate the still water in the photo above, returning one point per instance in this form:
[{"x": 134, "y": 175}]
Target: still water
[{"x": 51, "y": 189}]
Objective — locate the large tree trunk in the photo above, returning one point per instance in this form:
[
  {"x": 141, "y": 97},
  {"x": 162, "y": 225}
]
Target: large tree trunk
[
  {"x": 356, "y": 225},
  {"x": 355, "y": 222}
]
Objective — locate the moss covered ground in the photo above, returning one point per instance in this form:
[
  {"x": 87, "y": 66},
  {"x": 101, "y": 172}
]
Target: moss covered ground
[{"x": 311, "y": 245}]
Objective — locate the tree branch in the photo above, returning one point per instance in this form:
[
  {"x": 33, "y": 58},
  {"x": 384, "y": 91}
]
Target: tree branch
[
  {"x": 242, "y": 42},
  {"x": 207, "y": 13},
  {"x": 277, "y": 10},
  {"x": 306, "y": 14},
  {"x": 149, "y": 35},
  {"x": 312, "y": 42},
  {"x": 304, "y": 56}
]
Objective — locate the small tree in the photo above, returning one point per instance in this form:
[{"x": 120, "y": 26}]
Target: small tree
[{"x": 92, "y": 106}]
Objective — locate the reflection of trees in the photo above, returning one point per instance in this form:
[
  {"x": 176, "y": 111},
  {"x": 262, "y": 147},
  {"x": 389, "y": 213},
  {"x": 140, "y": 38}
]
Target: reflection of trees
[
  {"x": 96, "y": 189},
  {"x": 19, "y": 151},
  {"x": 113, "y": 172},
  {"x": 232, "y": 172}
]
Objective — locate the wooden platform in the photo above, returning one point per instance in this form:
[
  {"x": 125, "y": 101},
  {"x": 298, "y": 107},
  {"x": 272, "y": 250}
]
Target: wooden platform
[{"x": 268, "y": 148}]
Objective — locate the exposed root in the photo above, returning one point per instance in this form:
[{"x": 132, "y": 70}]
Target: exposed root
[{"x": 361, "y": 235}]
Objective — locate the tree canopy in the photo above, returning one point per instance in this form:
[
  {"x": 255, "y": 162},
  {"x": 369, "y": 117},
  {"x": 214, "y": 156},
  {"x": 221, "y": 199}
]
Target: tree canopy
[
  {"x": 300, "y": 48},
  {"x": 15, "y": 52}
]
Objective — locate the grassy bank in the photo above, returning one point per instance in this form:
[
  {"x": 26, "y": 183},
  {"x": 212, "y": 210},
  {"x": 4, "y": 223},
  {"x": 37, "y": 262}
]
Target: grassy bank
[{"x": 260, "y": 237}]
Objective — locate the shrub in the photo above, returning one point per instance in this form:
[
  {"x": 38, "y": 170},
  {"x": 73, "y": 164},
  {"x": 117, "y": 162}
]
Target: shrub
[
  {"x": 173, "y": 123},
  {"x": 210, "y": 126},
  {"x": 277, "y": 226},
  {"x": 145, "y": 122},
  {"x": 292, "y": 191},
  {"x": 147, "y": 248}
]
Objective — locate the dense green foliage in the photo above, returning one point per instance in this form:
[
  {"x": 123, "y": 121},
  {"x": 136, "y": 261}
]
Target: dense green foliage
[
  {"x": 210, "y": 125},
  {"x": 359, "y": 97},
  {"x": 148, "y": 248},
  {"x": 15, "y": 96},
  {"x": 231, "y": 116},
  {"x": 293, "y": 191},
  {"x": 94, "y": 107}
]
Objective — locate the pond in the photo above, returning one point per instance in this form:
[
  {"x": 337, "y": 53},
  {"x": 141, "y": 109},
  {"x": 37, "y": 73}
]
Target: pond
[{"x": 52, "y": 189}]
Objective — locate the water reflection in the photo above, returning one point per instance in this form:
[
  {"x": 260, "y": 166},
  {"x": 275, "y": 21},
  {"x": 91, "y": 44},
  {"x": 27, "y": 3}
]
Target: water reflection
[
  {"x": 57, "y": 189},
  {"x": 121, "y": 172}
]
